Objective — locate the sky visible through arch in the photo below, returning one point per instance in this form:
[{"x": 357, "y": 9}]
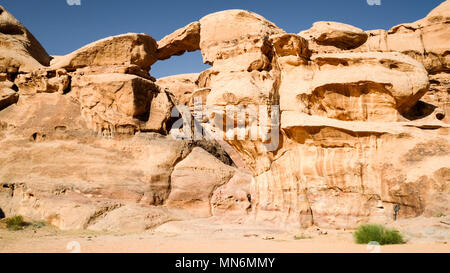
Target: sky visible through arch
[{"x": 62, "y": 28}]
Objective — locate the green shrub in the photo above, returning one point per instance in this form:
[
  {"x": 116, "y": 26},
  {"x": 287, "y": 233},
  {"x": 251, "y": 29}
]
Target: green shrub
[
  {"x": 378, "y": 233},
  {"x": 15, "y": 223},
  {"x": 439, "y": 214},
  {"x": 38, "y": 224},
  {"x": 301, "y": 237}
]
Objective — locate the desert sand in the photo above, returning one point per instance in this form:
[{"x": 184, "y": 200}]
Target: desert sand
[{"x": 423, "y": 236}]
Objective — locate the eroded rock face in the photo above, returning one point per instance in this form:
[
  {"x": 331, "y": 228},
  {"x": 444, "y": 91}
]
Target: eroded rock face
[
  {"x": 83, "y": 178},
  {"x": 354, "y": 86},
  {"x": 7, "y": 97},
  {"x": 182, "y": 40},
  {"x": 43, "y": 81},
  {"x": 340, "y": 114},
  {"x": 181, "y": 86},
  {"x": 194, "y": 180},
  {"x": 335, "y": 34},
  {"x": 233, "y": 198},
  {"x": 112, "y": 51},
  {"x": 242, "y": 45},
  {"x": 362, "y": 128},
  {"x": 19, "y": 50},
  {"x": 427, "y": 40},
  {"x": 91, "y": 130},
  {"x": 114, "y": 102}
]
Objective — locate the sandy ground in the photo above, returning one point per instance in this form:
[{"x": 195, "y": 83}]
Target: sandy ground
[{"x": 203, "y": 236}]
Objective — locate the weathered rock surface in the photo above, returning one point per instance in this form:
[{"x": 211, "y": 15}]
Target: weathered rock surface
[
  {"x": 131, "y": 218},
  {"x": 19, "y": 50},
  {"x": 335, "y": 34},
  {"x": 340, "y": 125},
  {"x": 233, "y": 198},
  {"x": 194, "y": 180},
  {"x": 115, "y": 102},
  {"x": 438, "y": 97},
  {"x": 181, "y": 86},
  {"x": 237, "y": 46},
  {"x": 354, "y": 86},
  {"x": 427, "y": 40},
  {"x": 180, "y": 41},
  {"x": 112, "y": 51},
  {"x": 43, "y": 80},
  {"x": 8, "y": 96}
]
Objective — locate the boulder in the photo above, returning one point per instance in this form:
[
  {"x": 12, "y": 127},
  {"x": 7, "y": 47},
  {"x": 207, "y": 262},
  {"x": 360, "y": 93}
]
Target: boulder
[
  {"x": 234, "y": 198},
  {"x": 114, "y": 103},
  {"x": 194, "y": 180},
  {"x": 181, "y": 86},
  {"x": 19, "y": 49},
  {"x": 7, "y": 97},
  {"x": 130, "y": 218},
  {"x": 126, "y": 49},
  {"x": 159, "y": 113},
  {"x": 239, "y": 46},
  {"x": 373, "y": 86},
  {"x": 335, "y": 34},
  {"x": 43, "y": 80}
]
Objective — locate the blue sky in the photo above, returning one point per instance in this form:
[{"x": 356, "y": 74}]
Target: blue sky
[{"x": 62, "y": 28}]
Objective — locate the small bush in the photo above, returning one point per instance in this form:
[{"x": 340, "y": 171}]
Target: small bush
[
  {"x": 302, "y": 236},
  {"x": 15, "y": 223},
  {"x": 378, "y": 233},
  {"x": 39, "y": 224},
  {"x": 439, "y": 214}
]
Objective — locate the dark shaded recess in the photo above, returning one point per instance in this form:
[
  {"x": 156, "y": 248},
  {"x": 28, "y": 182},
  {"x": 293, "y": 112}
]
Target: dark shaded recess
[
  {"x": 15, "y": 88},
  {"x": 420, "y": 110},
  {"x": 11, "y": 30},
  {"x": 214, "y": 148},
  {"x": 2, "y": 214},
  {"x": 69, "y": 86},
  {"x": 13, "y": 76},
  {"x": 440, "y": 116},
  {"x": 170, "y": 122},
  {"x": 7, "y": 102}
]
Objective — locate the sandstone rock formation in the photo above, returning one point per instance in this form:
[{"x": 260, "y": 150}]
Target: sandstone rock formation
[
  {"x": 112, "y": 51},
  {"x": 182, "y": 40},
  {"x": 346, "y": 127},
  {"x": 425, "y": 40},
  {"x": 335, "y": 34},
  {"x": 20, "y": 51},
  {"x": 8, "y": 96},
  {"x": 363, "y": 125},
  {"x": 181, "y": 86},
  {"x": 194, "y": 180},
  {"x": 234, "y": 197},
  {"x": 239, "y": 46}
]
